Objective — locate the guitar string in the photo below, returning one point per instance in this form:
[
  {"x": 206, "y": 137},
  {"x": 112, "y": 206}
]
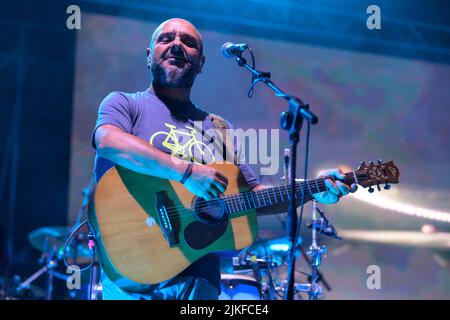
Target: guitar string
[
  {"x": 183, "y": 211},
  {"x": 233, "y": 201}
]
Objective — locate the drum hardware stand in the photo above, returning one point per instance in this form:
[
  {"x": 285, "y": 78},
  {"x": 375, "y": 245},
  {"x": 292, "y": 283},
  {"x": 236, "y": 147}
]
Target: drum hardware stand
[
  {"x": 324, "y": 226},
  {"x": 258, "y": 277},
  {"x": 50, "y": 261},
  {"x": 248, "y": 261},
  {"x": 316, "y": 252},
  {"x": 314, "y": 289}
]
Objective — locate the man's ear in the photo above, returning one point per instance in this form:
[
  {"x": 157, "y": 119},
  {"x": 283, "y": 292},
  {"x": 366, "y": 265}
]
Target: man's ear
[
  {"x": 148, "y": 58},
  {"x": 202, "y": 62}
]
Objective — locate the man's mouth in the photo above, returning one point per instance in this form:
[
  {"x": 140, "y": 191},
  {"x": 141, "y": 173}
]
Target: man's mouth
[{"x": 176, "y": 59}]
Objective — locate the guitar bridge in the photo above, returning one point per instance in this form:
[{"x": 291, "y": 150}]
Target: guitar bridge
[{"x": 165, "y": 221}]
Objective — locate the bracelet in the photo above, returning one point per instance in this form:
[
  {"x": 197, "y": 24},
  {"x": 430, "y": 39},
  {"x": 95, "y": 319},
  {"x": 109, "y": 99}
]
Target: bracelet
[{"x": 187, "y": 173}]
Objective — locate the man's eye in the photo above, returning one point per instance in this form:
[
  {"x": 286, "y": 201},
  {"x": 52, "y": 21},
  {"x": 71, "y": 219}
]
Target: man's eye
[{"x": 190, "y": 43}]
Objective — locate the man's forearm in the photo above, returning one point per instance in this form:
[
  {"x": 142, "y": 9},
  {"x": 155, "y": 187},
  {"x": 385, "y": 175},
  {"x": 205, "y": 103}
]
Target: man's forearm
[{"x": 136, "y": 154}]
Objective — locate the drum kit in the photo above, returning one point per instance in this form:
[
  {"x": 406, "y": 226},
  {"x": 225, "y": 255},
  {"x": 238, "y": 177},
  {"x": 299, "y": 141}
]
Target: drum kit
[
  {"x": 61, "y": 248},
  {"x": 51, "y": 242},
  {"x": 256, "y": 273}
]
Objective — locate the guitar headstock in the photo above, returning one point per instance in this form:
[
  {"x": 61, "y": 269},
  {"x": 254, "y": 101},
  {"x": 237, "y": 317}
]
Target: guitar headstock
[{"x": 376, "y": 174}]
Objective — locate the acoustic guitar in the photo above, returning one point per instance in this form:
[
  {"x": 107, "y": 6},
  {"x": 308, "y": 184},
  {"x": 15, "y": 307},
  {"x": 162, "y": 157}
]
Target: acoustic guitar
[{"x": 150, "y": 229}]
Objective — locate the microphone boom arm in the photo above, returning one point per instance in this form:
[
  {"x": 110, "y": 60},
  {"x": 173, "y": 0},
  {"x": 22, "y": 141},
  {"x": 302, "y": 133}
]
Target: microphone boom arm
[{"x": 264, "y": 76}]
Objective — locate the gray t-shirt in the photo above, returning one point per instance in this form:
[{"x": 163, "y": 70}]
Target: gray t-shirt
[{"x": 173, "y": 129}]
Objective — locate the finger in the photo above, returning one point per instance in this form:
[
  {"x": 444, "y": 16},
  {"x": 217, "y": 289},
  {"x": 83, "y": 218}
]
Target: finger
[
  {"x": 345, "y": 189},
  {"x": 321, "y": 174},
  {"x": 337, "y": 173},
  {"x": 222, "y": 178},
  {"x": 332, "y": 187},
  {"x": 219, "y": 185},
  {"x": 326, "y": 197},
  {"x": 332, "y": 198},
  {"x": 207, "y": 196},
  {"x": 214, "y": 191}
]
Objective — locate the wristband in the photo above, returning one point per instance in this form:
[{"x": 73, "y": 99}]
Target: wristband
[{"x": 187, "y": 173}]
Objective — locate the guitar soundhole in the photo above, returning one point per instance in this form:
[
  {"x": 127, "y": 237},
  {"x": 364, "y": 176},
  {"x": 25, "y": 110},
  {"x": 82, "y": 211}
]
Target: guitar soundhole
[{"x": 210, "y": 212}]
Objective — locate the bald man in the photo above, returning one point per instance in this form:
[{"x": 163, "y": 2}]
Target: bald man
[{"x": 127, "y": 133}]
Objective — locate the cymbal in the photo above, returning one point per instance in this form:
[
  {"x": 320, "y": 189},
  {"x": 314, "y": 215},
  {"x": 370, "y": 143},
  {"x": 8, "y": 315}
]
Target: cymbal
[
  {"x": 47, "y": 238},
  {"x": 438, "y": 240},
  {"x": 54, "y": 238}
]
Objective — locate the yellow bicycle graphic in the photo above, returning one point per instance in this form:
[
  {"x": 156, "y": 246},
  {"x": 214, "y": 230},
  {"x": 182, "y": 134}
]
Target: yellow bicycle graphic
[{"x": 189, "y": 149}]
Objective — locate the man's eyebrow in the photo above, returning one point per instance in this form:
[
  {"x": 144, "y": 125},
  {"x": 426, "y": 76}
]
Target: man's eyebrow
[
  {"x": 183, "y": 35},
  {"x": 166, "y": 33},
  {"x": 189, "y": 36}
]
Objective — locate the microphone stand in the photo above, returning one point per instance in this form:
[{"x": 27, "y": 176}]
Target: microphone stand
[{"x": 291, "y": 121}]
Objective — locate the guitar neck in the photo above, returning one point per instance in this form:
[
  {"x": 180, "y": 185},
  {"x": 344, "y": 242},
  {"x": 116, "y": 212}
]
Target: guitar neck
[{"x": 271, "y": 196}]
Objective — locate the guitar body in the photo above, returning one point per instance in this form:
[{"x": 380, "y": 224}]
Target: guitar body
[{"x": 132, "y": 245}]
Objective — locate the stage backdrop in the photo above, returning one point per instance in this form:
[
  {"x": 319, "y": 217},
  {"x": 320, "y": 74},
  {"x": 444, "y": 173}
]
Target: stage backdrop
[{"x": 370, "y": 107}]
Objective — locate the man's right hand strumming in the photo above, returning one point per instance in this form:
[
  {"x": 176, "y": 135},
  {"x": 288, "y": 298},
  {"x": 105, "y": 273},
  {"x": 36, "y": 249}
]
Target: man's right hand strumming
[{"x": 206, "y": 182}]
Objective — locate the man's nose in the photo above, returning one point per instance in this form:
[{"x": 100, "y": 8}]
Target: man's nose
[{"x": 176, "y": 49}]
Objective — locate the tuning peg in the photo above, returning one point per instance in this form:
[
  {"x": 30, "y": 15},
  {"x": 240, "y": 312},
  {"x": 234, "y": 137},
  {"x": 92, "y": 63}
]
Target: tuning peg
[
  {"x": 371, "y": 163},
  {"x": 378, "y": 187},
  {"x": 371, "y": 190},
  {"x": 387, "y": 186},
  {"x": 363, "y": 163},
  {"x": 379, "y": 161}
]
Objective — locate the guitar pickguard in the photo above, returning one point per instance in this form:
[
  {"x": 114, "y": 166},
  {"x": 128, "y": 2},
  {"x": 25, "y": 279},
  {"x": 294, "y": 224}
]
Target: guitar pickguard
[{"x": 199, "y": 235}]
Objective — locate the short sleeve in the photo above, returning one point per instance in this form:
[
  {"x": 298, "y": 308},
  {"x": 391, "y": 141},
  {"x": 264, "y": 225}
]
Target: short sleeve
[{"x": 115, "y": 110}]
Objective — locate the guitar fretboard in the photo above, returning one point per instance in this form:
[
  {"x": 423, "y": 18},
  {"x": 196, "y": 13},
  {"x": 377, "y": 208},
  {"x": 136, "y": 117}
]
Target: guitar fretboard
[{"x": 280, "y": 194}]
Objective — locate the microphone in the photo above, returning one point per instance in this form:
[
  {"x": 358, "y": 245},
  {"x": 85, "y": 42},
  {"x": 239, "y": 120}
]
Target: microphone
[{"x": 230, "y": 50}]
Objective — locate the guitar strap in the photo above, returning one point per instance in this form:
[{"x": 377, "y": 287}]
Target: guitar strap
[{"x": 227, "y": 144}]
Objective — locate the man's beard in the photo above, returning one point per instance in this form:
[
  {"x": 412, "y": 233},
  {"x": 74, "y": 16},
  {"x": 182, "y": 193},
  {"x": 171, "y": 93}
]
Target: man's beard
[{"x": 174, "y": 77}]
